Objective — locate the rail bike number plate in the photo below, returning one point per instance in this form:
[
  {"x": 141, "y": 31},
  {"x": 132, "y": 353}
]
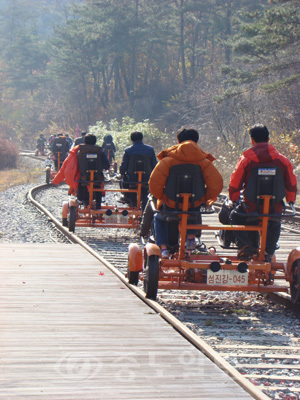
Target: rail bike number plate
[
  {"x": 116, "y": 219},
  {"x": 227, "y": 277}
]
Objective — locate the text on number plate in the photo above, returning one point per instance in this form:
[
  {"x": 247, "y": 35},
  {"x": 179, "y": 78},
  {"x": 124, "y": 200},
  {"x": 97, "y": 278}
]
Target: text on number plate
[{"x": 224, "y": 277}]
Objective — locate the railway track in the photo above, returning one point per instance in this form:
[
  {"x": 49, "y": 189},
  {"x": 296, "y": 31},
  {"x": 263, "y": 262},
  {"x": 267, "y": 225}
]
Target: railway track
[{"x": 249, "y": 335}]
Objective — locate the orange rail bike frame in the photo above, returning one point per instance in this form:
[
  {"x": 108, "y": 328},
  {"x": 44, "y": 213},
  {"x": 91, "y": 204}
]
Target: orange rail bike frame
[
  {"x": 260, "y": 274},
  {"x": 109, "y": 216}
]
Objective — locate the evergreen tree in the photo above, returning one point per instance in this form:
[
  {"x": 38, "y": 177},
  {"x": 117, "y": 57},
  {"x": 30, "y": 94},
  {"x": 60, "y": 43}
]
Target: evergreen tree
[{"x": 22, "y": 48}]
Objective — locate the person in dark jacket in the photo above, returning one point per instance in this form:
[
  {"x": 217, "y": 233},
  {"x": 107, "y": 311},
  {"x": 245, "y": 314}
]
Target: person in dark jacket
[
  {"x": 137, "y": 148},
  {"x": 69, "y": 140},
  {"x": 40, "y": 145},
  {"x": 79, "y": 140},
  {"x": 60, "y": 149},
  {"x": 109, "y": 148},
  {"x": 71, "y": 173},
  {"x": 260, "y": 154},
  {"x": 82, "y": 192}
]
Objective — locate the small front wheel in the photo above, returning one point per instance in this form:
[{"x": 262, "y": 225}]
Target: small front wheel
[
  {"x": 72, "y": 218},
  {"x": 48, "y": 176},
  {"x": 133, "y": 277},
  {"x": 295, "y": 284},
  {"x": 151, "y": 275}
]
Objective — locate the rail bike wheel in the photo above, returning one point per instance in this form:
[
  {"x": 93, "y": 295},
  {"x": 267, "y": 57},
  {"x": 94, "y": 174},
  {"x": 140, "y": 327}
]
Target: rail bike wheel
[
  {"x": 135, "y": 263},
  {"x": 151, "y": 275},
  {"x": 295, "y": 284},
  {"x": 47, "y": 176},
  {"x": 133, "y": 277},
  {"x": 72, "y": 218}
]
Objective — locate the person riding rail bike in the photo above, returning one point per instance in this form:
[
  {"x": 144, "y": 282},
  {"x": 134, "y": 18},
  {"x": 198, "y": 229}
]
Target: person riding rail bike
[
  {"x": 261, "y": 154},
  {"x": 40, "y": 145},
  {"x": 109, "y": 148},
  {"x": 71, "y": 173},
  {"x": 147, "y": 156},
  {"x": 187, "y": 151}
]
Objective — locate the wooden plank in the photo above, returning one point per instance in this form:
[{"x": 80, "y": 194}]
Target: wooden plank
[{"x": 70, "y": 329}]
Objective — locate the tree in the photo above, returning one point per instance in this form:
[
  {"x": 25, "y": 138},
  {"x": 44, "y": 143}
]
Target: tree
[
  {"x": 109, "y": 51},
  {"x": 22, "y": 48},
  {"x": 268, "y": 48}
]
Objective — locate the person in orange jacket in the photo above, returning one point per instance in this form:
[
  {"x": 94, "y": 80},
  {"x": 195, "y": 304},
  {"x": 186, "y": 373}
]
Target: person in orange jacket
[{"x": 187, "y": 151}]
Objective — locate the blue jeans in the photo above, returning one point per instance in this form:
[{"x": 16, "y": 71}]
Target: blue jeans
[{"x": 163, "y": 228}]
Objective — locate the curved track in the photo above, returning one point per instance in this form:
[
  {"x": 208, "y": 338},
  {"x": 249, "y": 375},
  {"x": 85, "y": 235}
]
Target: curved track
[{"x": 246, "y": 334}]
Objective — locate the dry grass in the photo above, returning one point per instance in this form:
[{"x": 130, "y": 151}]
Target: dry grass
[{"x": 15, "y": 177}]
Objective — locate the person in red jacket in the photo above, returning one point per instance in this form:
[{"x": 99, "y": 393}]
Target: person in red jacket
[
  {"x": 69, "y": 172},
  {"x": 260, "y": 154},
  {"x": 186, "y": 151}
]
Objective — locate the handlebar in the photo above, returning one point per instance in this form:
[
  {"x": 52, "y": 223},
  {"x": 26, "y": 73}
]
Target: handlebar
[
  {"x": 204, "y": 209},
  {"x": 274, "y": 215}
]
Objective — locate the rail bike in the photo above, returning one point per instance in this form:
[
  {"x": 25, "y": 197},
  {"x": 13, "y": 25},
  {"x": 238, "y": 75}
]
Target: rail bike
[
  {"x": 112, "y": 172},
  {"x": 107, "y": 213},
  {"x": 208, "y": 269}
]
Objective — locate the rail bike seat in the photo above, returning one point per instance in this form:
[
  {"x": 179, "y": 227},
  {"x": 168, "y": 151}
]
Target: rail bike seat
[
  {"x": 59, "y": 148},
  {"x": 59, "y": 145},
  {"x": 264, "y": 181},
  {"x": 183, "y": 179},
  {"x": 138, "y": 162},
  {"x": 89, "y": 159}
]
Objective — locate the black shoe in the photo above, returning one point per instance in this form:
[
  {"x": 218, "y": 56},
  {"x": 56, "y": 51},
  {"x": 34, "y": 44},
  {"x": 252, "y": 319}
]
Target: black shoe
[
  {"x": 126, "y": 200},
  {"x": 246, "y": 253},
  {"x": 123, "y": 200},
  {"x": 268, "y": 258}
]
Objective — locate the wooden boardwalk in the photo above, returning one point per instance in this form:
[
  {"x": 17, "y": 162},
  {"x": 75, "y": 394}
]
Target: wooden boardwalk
[{"x": 70, "y": 329}]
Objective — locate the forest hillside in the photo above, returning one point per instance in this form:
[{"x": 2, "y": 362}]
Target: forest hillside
[{"x": 219, "y": 65}]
